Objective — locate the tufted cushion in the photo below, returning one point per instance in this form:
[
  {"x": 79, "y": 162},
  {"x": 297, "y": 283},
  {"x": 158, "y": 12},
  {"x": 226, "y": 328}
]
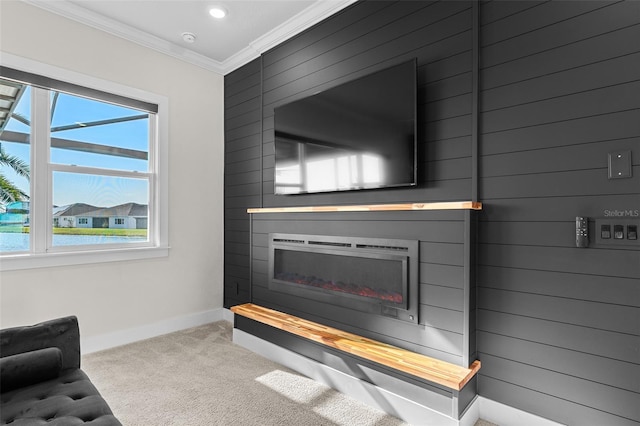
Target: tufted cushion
[
  {"x": 70, "y": 399},
  {"x": 29, "y": 368}
]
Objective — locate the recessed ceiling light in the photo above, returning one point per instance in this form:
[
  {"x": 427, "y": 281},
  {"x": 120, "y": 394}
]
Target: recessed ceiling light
[
  {"x": 218, "y": 12},
  {"x": 189, "y": 37}
]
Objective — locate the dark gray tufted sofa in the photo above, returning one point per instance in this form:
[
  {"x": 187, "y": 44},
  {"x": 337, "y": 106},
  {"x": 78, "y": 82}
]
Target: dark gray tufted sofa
[{"x": 41, "y": 381}]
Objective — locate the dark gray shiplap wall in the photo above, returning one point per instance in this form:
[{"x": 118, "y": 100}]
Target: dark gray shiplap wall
[
  {"x": 359, "y": 40},
  {"x": 242, "y": 175},
  {"x": 558, "y": 327},
  {"x": 363, "y": 39}
]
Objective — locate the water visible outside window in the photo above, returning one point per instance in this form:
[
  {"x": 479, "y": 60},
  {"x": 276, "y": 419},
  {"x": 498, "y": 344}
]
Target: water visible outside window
[
  {"x": 15, "y": 124},
  {"x": 97, "y": 149}
]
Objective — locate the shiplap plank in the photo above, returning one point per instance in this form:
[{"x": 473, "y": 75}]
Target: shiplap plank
[
  {"x": 446, "y": 149},
  {"x": 236, "y": 224},
  {"x": 601, "y": 21},
  {"x": 244, "y": 83},
  {"x": 560, "y": 184},
  {"x": 546, "y": 234},
  {"x": 442, "y": 296},
  {"x": 617, "y": 346},
  {"x": 243, "y": 155},
  {"x": 594, "y": 288},
  {"x": 247, "y": 117},
  {"x": 563, "y": 259},
  {"x": 557, "y": 159},
  {"x": 233, "y": 180},
  {"x": 623, "y": 69},
  {"x": 247, "y": 130},
  {"x": 615, "y": 401},
  {"x": 237, "y": 237},
  {"x": 546, "y": 405},
  {"x": 442, "y": 275},
  {"x": 604, "y": 47},
  {"x": 244, "y": 166},
  {"x": 236, "y": 248},
  {"x": 534, "y": 18},
  {"x": 602, "y": 316},
  {"x": 234, "y": 202},
  {"x": 435, "y": 232},
  {"x": 603, "y": 370},
  {"x": 238, "y": 76},
  {"x": 605, "y": 127},
  {"x": 617, "y": 98},
  {"x": 442, "y": 253},
  {"x": 493, "y": 11},
  {"x": 554, "y": 208}
]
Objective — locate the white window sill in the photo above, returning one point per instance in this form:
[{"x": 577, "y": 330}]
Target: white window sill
[{"x": 31, "y": 261}]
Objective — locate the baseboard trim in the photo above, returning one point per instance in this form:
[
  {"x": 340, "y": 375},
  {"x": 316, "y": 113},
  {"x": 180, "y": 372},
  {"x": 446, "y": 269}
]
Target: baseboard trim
[
  {"x": 227, "y": 315},
  {"x": 123, "y": 337},
  {"x": 505, "y": 415}
]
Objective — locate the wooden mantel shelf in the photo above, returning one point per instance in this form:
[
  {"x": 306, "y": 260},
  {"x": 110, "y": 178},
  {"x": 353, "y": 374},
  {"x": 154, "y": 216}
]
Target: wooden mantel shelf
[
  {"x": 443, "y": 373},
  {"x": 447, "y": 205}
]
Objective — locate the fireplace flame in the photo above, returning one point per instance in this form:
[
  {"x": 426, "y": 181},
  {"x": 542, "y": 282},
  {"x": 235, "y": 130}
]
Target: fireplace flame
[{"x": 339, "y": 286}]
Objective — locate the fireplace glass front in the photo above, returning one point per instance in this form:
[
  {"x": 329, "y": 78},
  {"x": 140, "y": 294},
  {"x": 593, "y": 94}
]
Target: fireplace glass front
[{"x": 366, "y": 274}]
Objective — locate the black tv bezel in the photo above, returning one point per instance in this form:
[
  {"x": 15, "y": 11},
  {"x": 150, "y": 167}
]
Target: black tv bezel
[{"x": 414, "y": 182}]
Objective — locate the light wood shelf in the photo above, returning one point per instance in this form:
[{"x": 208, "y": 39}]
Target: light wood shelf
[
  {"x": 443, "y": 373},
  {"x": 447, "y": 205}
]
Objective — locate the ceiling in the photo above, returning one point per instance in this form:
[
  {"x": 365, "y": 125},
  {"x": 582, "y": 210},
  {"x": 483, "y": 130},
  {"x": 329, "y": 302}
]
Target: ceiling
[{"x": 250, "y": 28}]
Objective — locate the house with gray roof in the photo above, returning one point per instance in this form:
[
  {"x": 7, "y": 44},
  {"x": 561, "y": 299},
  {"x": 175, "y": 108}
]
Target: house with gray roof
[{"x": 123, "y": 216}]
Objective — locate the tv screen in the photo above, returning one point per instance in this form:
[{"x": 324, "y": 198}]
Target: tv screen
[{"x": 358, "y": 135}]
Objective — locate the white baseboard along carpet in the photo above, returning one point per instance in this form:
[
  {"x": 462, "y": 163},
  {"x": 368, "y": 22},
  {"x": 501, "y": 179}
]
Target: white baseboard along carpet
[{"x": 199, "y": 377}]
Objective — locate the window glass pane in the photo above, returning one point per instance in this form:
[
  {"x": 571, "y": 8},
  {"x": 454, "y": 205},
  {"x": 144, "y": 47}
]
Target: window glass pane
[
  {"x": 86, "y": 132},
  {"x": 92, "y": 209},
  {"x": 15, "y": 152}
]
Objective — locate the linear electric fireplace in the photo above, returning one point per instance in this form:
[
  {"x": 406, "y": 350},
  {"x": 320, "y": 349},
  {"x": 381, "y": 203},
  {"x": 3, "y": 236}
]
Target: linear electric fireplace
[{"x": 373, "y": 275}]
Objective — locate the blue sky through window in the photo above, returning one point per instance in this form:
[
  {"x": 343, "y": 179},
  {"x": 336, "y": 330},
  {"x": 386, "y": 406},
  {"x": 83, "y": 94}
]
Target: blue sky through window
[{"x": 70, "y": 188}]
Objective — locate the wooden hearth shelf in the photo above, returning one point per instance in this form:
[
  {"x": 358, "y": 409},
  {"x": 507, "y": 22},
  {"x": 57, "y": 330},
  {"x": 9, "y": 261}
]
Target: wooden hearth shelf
[
  {"x": 449, "y": 205},
  {"x": 431, "y": 369}
]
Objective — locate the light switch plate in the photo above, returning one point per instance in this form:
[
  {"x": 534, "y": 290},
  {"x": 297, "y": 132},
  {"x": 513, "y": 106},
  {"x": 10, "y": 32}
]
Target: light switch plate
[
  {"x": 620, "y": 164},
  {"x": 625, "y": 224}
]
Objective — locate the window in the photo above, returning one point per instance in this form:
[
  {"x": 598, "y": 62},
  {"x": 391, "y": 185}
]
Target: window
[{"x": 82, "y": 171}]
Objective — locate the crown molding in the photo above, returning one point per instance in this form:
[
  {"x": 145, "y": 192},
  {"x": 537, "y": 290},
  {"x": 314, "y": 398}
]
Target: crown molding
[
  {"x": 303, "y": 20},
  {"x": 312, "y": 15},
  {"x": 111, "y": 26}
]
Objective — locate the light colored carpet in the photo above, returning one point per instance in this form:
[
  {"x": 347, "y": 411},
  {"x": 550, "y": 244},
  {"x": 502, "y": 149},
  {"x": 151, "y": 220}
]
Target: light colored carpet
[{"x": 199, "y": 377}]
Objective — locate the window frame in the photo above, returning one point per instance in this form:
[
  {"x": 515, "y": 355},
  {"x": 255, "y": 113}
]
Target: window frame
[{"x": 41, "y": 252}]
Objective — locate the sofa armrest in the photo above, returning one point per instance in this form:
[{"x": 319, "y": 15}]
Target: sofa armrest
[{"x": 61, "y": 333}]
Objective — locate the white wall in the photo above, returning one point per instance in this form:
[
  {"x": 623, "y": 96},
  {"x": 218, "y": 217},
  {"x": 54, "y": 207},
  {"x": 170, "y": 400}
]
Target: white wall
[{"x": 111, "y": 298}]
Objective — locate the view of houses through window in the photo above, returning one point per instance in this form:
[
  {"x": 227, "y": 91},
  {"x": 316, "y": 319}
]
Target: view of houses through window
[{"x": 95, "y": 159}]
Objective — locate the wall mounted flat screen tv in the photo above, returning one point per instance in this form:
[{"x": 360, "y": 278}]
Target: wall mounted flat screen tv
[{"x": 358, "y": 135}]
